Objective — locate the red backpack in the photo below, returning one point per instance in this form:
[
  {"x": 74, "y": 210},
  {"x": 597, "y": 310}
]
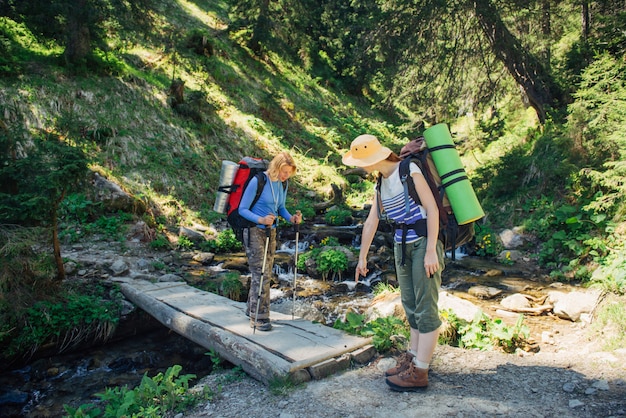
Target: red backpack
[{"x": 249, "y": 167}]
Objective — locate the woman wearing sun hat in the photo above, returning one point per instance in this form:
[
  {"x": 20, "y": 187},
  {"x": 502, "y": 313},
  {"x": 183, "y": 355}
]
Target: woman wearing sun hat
[{"x": 420, "y": 276}]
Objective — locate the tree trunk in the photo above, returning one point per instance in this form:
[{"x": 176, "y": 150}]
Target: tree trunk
[
  {"x": 177, "y": 92},
  {"x": 78, "y": 45},
  {"x": 525, "y": 68},
  {"x": 585, "y": 20},
  {"x": 546, "y": 32},
  {"x": 56, "y": 245},
  {"x": 261, "y": 28}
]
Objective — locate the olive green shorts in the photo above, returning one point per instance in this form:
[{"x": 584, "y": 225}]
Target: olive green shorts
[{"x": 419, "y": 294}]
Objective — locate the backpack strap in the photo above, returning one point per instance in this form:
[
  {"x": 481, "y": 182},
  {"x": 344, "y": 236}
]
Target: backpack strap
[
  {"x": 381, "y": 215},
  {"x": 409, "y": 190},
  {"x": 261, "y": 180},
  {"x": 407, "y": 181},
  {"x": 445, "y": 184},
  {"x": 421, "y": 160}
]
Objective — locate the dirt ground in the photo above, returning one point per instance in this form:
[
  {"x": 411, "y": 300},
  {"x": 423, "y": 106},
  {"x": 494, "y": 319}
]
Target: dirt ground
[{"x": 570, "y": 376}]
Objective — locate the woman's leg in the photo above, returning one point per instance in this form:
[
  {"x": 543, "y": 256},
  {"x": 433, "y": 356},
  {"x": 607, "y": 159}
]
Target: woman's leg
[
  {"x": 255, "y": 245},
  {"x": 419, "y": 299},
  {"x": 422, "y": 346}
]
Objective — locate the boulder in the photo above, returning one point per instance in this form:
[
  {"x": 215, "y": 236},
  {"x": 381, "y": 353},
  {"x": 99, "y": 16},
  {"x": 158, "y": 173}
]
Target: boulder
[{"x": 573, "y": 305}]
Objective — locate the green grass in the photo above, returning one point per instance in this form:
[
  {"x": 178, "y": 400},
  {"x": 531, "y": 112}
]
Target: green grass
[
  {"x": 246, "y": 107},
  {"x": 610, "y": 323}
]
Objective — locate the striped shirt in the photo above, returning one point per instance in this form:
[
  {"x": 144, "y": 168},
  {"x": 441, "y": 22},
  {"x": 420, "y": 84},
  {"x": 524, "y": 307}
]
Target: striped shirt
[{"x": 392, "y": 198}]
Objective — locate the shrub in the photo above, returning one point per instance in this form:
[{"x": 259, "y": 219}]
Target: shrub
[
  {"x": 226, "y": 242},
  {"x": 483, "y": 333},
  {"x": 154, "y": 397},
  {"x": 71, "y": 319},
  {"x": 331, "y": 262},
  {"x": 338, "y": 217}
]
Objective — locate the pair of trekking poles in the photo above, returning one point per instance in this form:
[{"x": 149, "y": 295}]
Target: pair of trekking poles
[{"x": 268, "y": 232}]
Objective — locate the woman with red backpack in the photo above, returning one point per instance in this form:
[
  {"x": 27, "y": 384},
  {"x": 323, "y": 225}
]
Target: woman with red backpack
[{"x": 260, "y": 241}]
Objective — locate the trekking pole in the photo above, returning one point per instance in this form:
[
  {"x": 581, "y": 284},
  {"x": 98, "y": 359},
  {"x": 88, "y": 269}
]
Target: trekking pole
[
  {"x": 295, "y": 266},
  {"x": 260, "y": 293}
]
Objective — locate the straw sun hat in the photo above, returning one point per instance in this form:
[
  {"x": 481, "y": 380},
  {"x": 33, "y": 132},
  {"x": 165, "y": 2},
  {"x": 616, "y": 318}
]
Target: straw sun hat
[{"x": 365, "y": 150}]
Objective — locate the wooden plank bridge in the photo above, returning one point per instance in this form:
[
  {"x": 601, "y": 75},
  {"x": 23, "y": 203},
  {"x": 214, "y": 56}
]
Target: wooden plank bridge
[{"x": 295, "y": 348}]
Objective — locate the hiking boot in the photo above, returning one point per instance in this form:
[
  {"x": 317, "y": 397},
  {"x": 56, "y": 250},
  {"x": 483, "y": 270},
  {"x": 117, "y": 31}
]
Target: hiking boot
[
  {"x": 261, "y": 324},
  {"x": 403, "y": 362},
  {"x": 410, "y": 380}
]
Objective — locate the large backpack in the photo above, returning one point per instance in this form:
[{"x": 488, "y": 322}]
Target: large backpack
[
  {"x": 249, "y": 167},
  {"x": 451, "y": 234}
]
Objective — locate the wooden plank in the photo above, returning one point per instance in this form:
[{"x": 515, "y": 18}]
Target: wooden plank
[
  {"x": 293, "y": 347},
  {"x": 262, "y": 365}
]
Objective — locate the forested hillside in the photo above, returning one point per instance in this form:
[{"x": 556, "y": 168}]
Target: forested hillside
[{"x": 154, "y": 94}]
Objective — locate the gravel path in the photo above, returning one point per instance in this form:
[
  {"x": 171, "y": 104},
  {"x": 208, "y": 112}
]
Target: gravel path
[{"x": 571, "y": 377}]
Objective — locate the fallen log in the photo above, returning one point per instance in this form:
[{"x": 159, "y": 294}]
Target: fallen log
[
  {"x": 336, "y": 199},
  {"x": 538, "y": 310}
]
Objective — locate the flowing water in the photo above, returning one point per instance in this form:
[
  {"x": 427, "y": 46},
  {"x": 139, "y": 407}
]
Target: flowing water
[{"x": 41, "y": 388}]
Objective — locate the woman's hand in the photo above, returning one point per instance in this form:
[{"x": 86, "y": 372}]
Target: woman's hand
[
  {"x": 267, "y": 219},
  {"x": 297, "y": 218},
  {"x": 431, "y": 262},
  {"x": 361, "y": 270}
]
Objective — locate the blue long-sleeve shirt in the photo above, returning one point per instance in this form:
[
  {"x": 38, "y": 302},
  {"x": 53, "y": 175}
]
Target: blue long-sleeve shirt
[{"x": 271, "y": 201}]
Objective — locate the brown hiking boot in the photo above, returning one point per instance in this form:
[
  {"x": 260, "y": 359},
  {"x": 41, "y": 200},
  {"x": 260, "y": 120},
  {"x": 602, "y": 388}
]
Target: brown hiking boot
[
  {"x": 403, "y": 362},
  {"x": 261, "y": 324},
  {"x": 410, "y": 380}
]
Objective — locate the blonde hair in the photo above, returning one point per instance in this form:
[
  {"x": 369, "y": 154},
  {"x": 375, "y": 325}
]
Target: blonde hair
[{"x": 278, "y": 162}]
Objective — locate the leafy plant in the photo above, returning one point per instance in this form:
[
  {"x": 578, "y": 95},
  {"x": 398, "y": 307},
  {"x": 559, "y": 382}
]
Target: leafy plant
[
  {"x": 78, "y": 208},
  {"x": 113, "y": 227},
  {"x": 74, "y": 319},
  {"x": 475, "y": 334},
  {"x": 160, "y": 242},
  {"x": 338, "y": 217},
  {"x": 507, "y": 337},
  {"x": 570, "y": 239},
  {"x": 330, "y": 242},
  {"x": 216, "y": 360},
  {"x": 331, "y": 262},
  {"x": 487, "y": 243},
  {"x": 330, "y": 259},
  {"x": 184, "y": 243},
  {"x": 154, "y": 397},
  {"x": 353, "y": 323},
  {"x": 383, "y": 330},
  {"x": 611, "y": 276},
  {"x": 302, "y": 258},
  {"x": 483, "y": 333},
  {"x": 226, "y": 242},
  {"x": 231, "y": 287}
]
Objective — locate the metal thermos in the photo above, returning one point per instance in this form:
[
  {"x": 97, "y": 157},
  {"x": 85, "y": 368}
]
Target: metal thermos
[{"x": 227, "y": 175}]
